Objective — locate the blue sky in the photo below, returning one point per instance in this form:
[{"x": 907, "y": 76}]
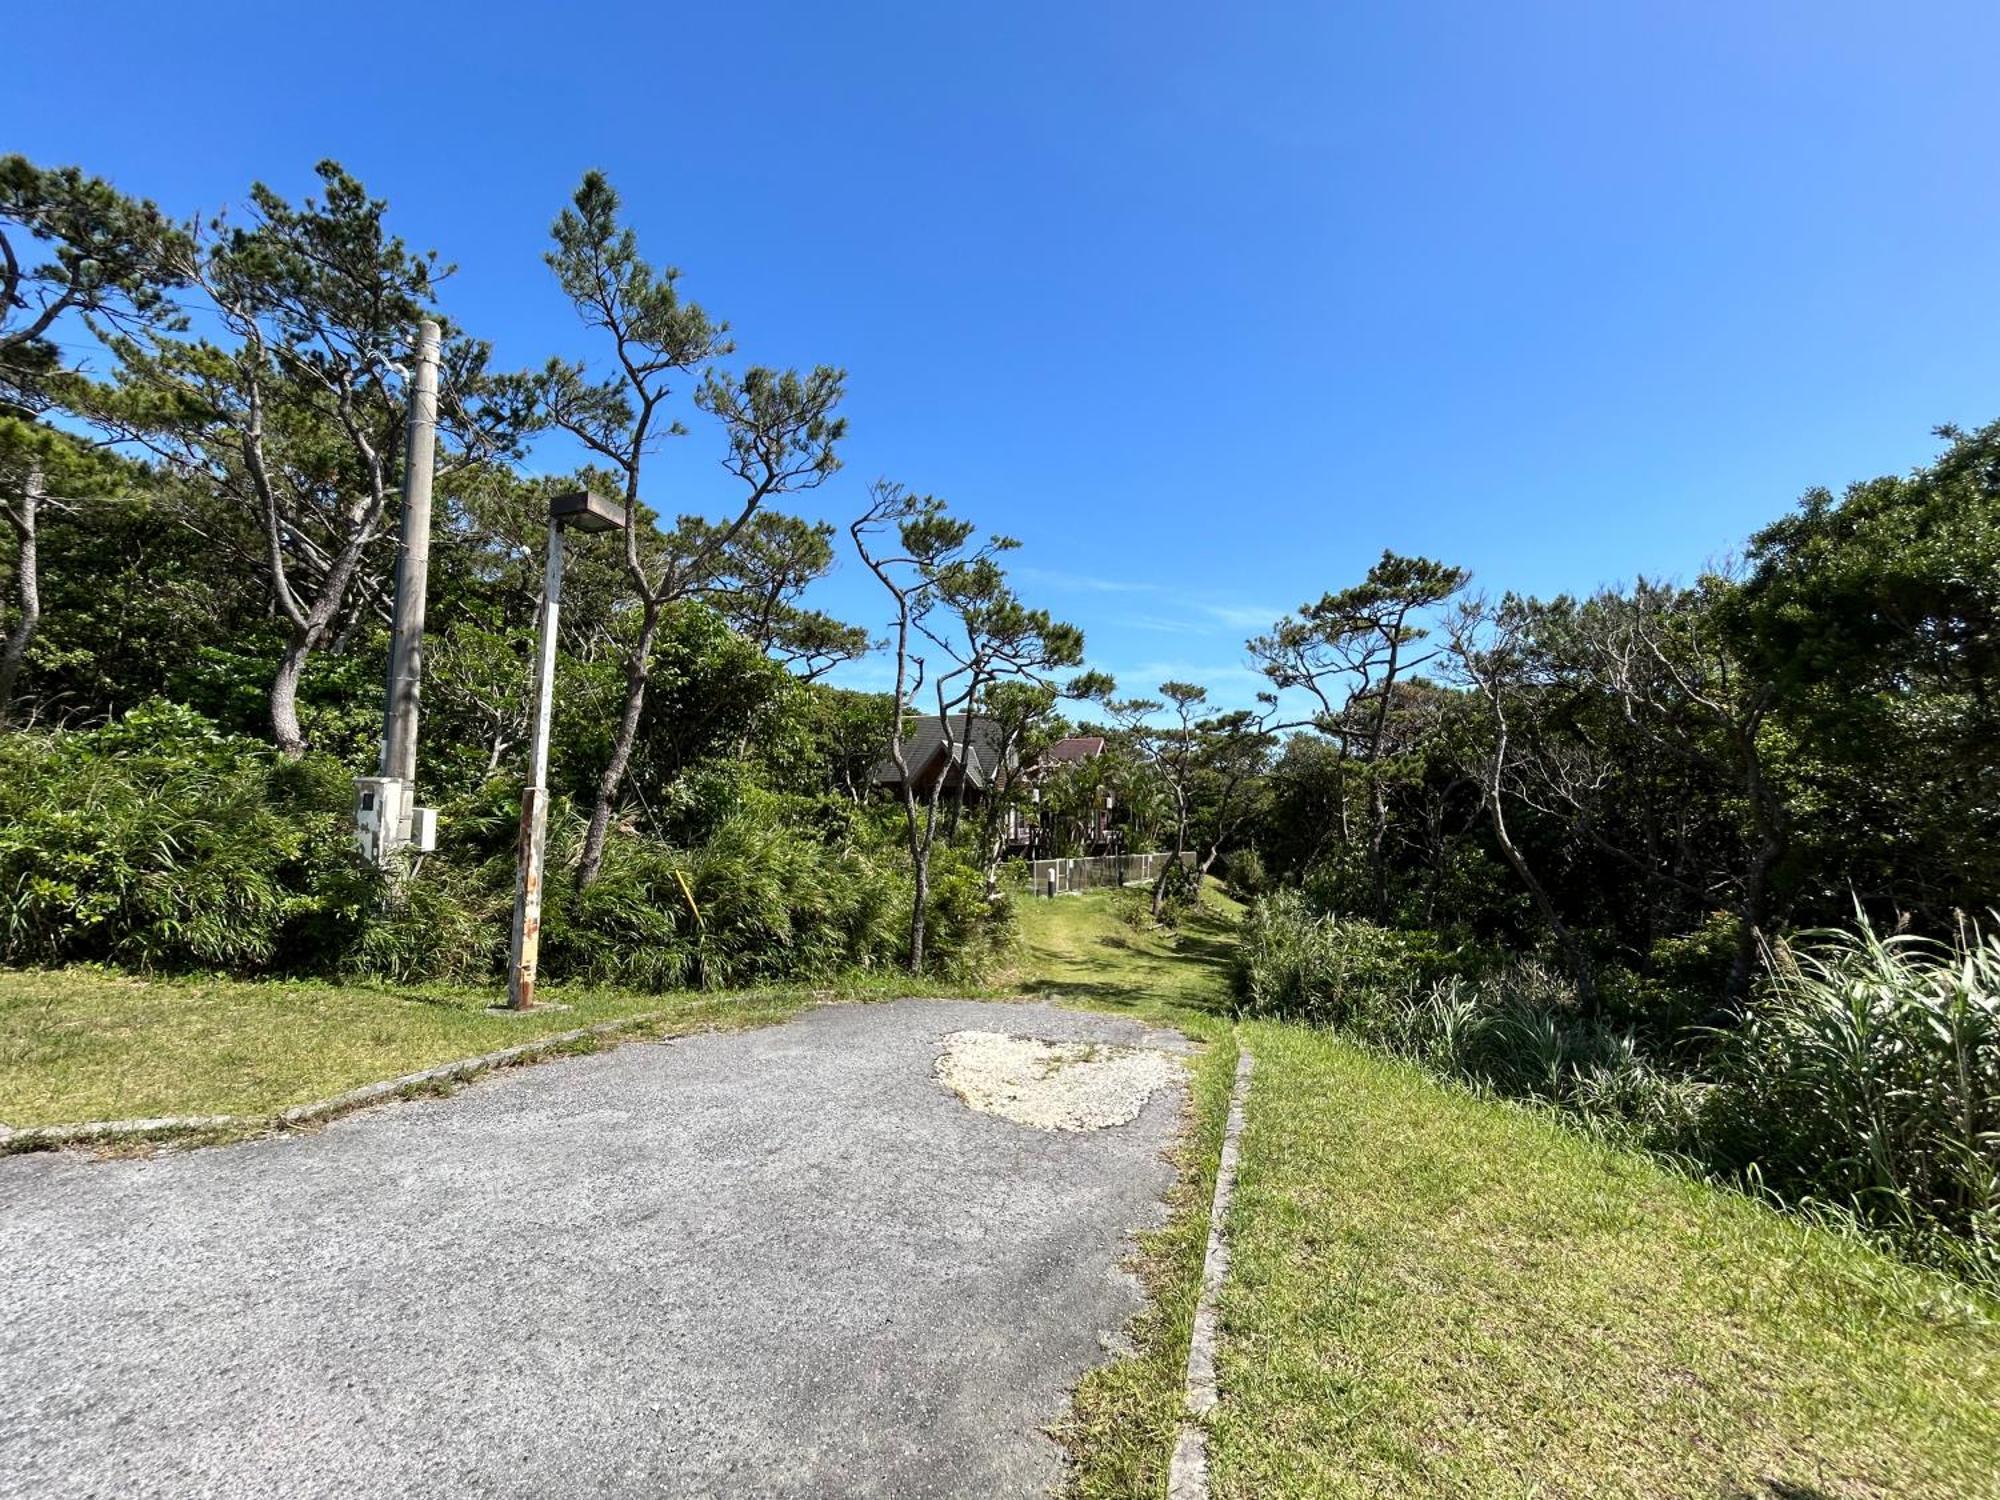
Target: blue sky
[{"x": 1205, "y": 304}]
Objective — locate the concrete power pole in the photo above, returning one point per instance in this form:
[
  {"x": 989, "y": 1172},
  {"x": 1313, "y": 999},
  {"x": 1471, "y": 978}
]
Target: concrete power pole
[
  {"x": 385, "y": 815},
  {"x": 413, "y": 568}
]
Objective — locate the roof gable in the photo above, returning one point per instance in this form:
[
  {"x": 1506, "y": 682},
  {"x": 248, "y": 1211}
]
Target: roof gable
[
  {"x": 974, "y": 747},
  {"x": 1076, "y": 747}
]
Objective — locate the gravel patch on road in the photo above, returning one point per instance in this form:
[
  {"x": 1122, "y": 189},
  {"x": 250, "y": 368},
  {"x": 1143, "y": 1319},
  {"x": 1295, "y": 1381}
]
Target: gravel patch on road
[{"x": 1053, "y": 1085}]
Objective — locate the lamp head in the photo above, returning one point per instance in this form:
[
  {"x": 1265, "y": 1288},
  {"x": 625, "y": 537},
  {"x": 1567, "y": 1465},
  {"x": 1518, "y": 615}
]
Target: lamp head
[{"x": 582, "y": 511}]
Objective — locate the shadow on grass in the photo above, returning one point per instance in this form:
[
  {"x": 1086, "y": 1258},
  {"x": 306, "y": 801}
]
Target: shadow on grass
[
  {"x": 1211, "y": 941},
  {"x": 1126, "y": 976}
]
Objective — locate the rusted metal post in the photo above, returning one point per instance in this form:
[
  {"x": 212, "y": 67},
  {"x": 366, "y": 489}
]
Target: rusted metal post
[{"x": 527, "y": 942}]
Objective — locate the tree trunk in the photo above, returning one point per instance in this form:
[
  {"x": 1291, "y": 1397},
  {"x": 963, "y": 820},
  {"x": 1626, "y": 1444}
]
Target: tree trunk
[
  {"x": 1167, "y": 870},
  {"x": 922, "y": 887},
  {"x": 922, "y": 835},
  {"x": 309, "y": 628},
  {"x": 1753, "y": 911},
  {"x": 299, "y": 645},
  {"x": 993, "y": 840},
  {"x": 638, "y": 671},
  {"x": 285, "y": 692},
  {"x": 26, "y": 520},
  {"x": 1576, "y": 956}
]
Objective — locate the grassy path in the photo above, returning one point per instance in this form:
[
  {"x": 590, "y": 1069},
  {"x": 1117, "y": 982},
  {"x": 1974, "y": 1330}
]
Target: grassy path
[
  {"x": 1082, "y": 950},
  {"x": 1439, "y": 1295}
]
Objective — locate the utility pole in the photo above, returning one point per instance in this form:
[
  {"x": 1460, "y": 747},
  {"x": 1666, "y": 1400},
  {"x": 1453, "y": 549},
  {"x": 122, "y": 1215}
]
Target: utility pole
[
  {"x": 586, "y": 512},
  {"x": 413, "y": 565},
  {"x": 386, "y": 818}
]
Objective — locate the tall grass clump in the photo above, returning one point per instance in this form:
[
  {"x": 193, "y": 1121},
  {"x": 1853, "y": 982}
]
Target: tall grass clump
[
  {"x": 1868, "y": 1073},
  {"x": 1517, "y": 1029},
  {"x": 1864, "y": 1083},
  {"x": 1297, "y": 962}
]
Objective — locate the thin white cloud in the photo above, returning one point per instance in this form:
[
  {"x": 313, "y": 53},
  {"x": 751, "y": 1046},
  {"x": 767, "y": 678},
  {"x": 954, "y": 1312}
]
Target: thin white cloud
[
  {"x": 1226, "y": 679},
  {"x": 1085, "y": 583},
  {"x": 1166, "y": 625},
  {"x": 1206, "y": 619},
  {"x": 1243, "y": 616}
]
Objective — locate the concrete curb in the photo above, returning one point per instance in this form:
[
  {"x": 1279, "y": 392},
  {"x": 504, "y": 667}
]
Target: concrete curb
[
  {"x": 1187, "y": 1475},
  {"x": 97, "y": 1132}
]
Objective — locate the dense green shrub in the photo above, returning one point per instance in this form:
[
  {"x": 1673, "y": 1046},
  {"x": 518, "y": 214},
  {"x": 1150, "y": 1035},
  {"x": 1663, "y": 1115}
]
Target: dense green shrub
[
  {"x": 1244, "y": 870},
  {"x": 1298, "y": 962},
  {"x": 757, "y": 902},
  {"x": 1869, "y": 1073},
  {"x": 1680, "y": 985},
  {"x": 157, "y": 842},
  {"x": 160, "y": 842}
]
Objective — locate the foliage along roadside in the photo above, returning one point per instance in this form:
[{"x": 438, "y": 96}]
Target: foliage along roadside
[
  {"x": 1865, "y": 1079},
  {"x": 161, "y": 843}
]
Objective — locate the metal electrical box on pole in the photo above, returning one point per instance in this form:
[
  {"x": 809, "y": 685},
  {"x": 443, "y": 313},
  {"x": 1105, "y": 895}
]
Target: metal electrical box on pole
[{"x": 386, "y": 817}]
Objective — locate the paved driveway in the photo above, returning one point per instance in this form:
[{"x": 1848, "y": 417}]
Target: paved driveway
[{"x": 779, "y": 1262}]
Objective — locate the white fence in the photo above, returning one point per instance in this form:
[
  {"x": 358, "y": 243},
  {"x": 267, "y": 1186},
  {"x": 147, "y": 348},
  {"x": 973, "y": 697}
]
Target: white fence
[{"x": 1097, "y": 871}]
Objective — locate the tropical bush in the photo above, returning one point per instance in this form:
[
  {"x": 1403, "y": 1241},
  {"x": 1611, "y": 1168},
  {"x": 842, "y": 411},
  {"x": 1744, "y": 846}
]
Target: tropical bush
[
  {"x": 157, "y": 842},
  {"x": 1865, "y": 1078},
  {"x": 1869, "y": 1073},
  {"x": 758, "y": 902},
  {"x": 1299, "y": 962},
  {"x": 161, "y": 842},
  {"x": 1244, "y": 870}
]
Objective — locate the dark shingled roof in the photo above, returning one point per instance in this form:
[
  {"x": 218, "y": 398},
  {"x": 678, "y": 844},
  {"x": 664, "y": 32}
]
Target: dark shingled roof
[
  {"x": 977, "y": 750},
  {"x": 1076, "y": 747}
]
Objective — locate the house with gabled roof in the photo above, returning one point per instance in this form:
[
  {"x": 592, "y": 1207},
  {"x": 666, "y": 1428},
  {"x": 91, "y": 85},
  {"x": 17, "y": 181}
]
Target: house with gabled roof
[
  {"x": 970, "y": 758},
  {"x": 970, "y": 755}
]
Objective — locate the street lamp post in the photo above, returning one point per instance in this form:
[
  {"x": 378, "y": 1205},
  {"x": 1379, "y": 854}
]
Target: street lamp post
[{"x": 584, "y": 512}]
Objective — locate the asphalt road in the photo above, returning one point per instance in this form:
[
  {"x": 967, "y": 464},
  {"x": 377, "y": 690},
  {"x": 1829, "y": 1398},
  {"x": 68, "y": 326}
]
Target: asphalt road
[{"x": 778, "y": 1262}]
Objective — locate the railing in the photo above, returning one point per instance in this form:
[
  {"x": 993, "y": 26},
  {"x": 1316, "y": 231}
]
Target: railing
[{"x": 1050, "y": 877}]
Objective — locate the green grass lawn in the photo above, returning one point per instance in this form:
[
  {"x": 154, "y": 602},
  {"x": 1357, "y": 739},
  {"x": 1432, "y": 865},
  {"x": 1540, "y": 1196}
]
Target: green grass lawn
[
  {"x": 1435, "y": 1294},
  {"x": 79, "y": 1045}
]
